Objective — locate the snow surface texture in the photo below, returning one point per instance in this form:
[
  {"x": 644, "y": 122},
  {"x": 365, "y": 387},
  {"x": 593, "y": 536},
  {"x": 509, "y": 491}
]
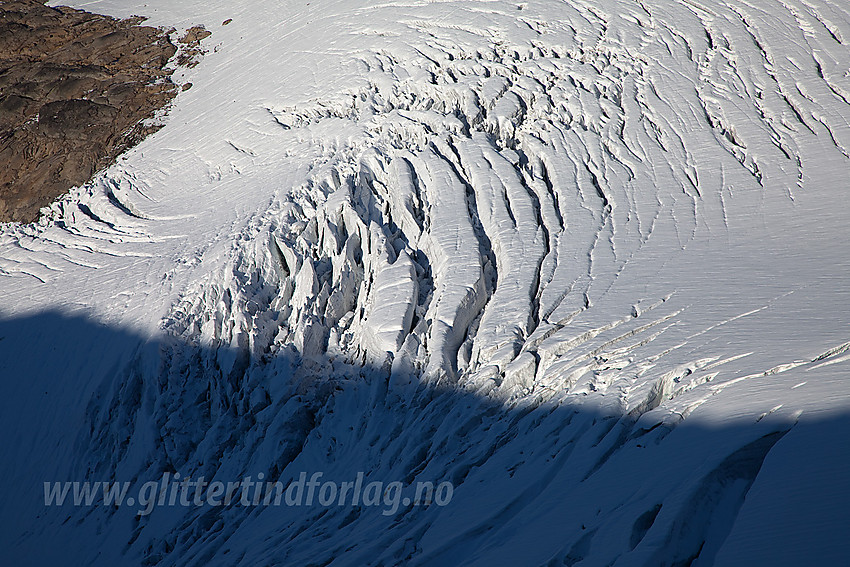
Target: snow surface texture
[{"x": 585, "y": 260}]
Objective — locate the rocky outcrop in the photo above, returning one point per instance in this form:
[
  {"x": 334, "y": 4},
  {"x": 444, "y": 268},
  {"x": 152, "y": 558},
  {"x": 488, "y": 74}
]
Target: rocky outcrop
[{"x": 75, "y": 90}]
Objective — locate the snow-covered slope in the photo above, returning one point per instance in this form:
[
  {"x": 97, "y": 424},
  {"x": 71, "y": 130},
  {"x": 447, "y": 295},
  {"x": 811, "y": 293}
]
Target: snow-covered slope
[{"x": 586, "y": 261}]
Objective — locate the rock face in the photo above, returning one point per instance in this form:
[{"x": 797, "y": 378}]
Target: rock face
[{"x": 75, "y": 89}]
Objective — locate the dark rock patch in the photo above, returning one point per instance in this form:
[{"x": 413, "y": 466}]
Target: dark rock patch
[{"x": 75, "y": 91}]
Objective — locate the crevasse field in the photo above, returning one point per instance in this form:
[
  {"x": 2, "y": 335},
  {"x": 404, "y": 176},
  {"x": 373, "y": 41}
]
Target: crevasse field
[{"x": 587, "y": 261}]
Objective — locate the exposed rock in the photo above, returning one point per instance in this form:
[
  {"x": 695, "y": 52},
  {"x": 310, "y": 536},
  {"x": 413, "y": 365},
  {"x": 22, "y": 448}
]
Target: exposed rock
[
  {"x": 75, "y": 90},
  {"x": 191, "y": 43}
]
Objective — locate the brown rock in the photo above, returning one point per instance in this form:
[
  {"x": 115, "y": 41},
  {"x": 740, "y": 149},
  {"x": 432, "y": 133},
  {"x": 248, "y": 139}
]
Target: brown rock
[
  {"x": 191, "y": 42},
  {"x": 74, "y": 90}
]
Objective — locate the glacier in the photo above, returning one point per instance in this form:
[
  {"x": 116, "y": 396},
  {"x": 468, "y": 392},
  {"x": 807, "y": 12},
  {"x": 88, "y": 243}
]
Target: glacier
[{"x": 584, "y": 260}]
